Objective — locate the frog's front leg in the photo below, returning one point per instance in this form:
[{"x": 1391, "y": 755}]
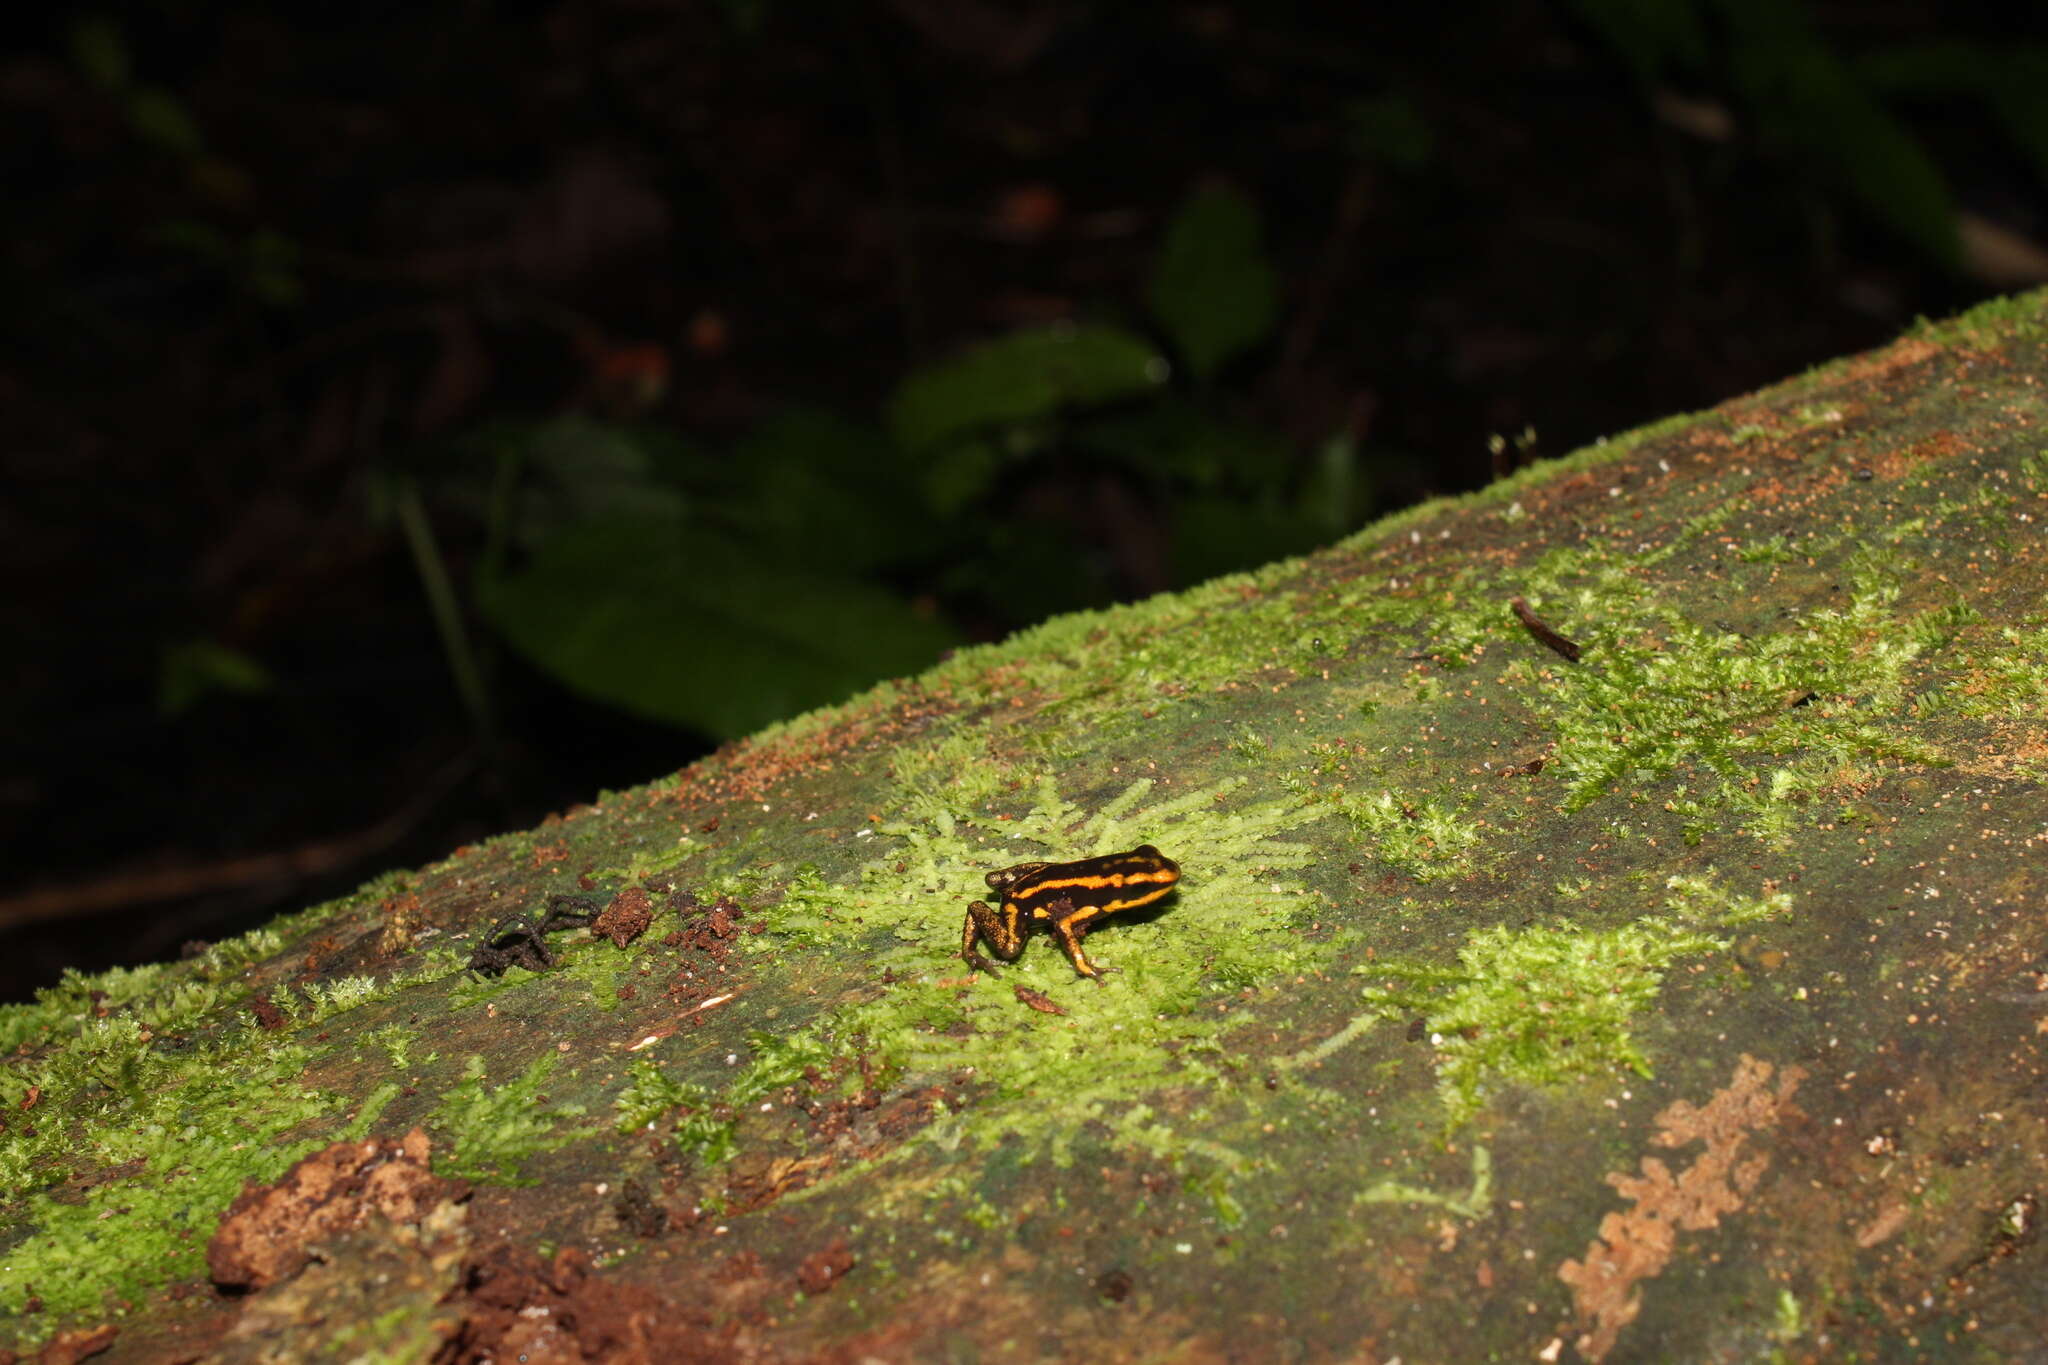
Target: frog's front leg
[
  {"x": 1004, "y": 930},
  {"x": 1067, "y": 922}
]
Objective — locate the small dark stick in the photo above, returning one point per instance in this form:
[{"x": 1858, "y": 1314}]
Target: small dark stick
[{"x": 1543, "y": 633}]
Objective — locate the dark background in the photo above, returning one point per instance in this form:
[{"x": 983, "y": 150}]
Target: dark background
[{"x": 419, "y": 417}]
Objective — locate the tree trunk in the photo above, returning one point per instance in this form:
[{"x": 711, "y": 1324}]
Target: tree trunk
[{"x": 1610, "y": 924}]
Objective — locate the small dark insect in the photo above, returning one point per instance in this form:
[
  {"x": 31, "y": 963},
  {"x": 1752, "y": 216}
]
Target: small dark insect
[{"x": 512, "y": 942}]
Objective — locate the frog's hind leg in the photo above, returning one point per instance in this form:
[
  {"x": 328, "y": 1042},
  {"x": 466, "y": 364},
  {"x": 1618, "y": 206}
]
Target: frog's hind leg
[
  {"x": 1004, "y": 930},
  {"x": 1068, "y": 922}
]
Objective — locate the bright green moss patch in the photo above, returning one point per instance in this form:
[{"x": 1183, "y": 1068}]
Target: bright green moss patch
[
  {"x": 1238, "y": 918},
  {"x": 1655, "y": 699},
  {"x": 1547, "y": 1005},
  {"x": 1537, "y": 1006},
  {"x": 182, "y": 1137},
  {"x": 492, "y": 1129},
  {"x": 1422, "y": 837}
]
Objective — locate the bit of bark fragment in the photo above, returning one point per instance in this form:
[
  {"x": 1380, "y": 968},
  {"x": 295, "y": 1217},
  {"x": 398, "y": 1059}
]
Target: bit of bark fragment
[
  {"x": 626, "y": 918},
  {"x": 268, "y": 1015},
  {"x": 265, "y": 1234},
  {"x": 638, "y": 1211},
  {"x": 821, "y": 1269},
  {"x": 1545, "y": 636},
  {"x": 79, "y": 1344},
  {"x": 1037, "y": 1000}
]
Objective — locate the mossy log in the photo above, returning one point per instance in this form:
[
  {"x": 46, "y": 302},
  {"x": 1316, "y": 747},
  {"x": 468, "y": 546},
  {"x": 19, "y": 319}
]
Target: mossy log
[{"x": 1613, "y": 924}]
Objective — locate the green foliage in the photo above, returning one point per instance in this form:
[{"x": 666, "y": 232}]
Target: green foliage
[
  {"x": 700, "y": 629},
  {"x": 1390, "y": 130},
  {"x": 2011, "y": 83},
  {"x": 1025, "y": 376},
  {"x": 1802, "y": 98},
  {"x": 190, "y": 670},
  {"x": 1212, "y": 287},
  {"x": 725, "y": 592}
]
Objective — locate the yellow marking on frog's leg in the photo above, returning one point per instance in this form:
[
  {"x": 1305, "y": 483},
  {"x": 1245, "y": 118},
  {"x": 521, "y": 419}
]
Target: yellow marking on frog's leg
[
  {"x": 1002, "y": 930},
  {"x": 1068, "y": 921}
]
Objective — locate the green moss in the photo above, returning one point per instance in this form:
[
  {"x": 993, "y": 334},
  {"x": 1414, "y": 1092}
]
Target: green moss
[
  {"x": 1705, "y": 902},
  {"x": 1420, "y": 836},
  {"x": 2018, "y": 317},
  {"x": 953, "y": 773},
  {"x": 1538, "y": 1006},
  {"x": 1547, "y": 1005},
  {"x": 1472, "y": 1203},
  {"x": 1657, "y": 697},
  {"x": 178, "y": 1140},
  {"x": 1237, "y": 919},
  {"x": 490, "y": 1131}
]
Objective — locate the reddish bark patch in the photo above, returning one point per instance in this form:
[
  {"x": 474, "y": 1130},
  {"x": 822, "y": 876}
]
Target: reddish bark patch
[
  {"x": 708, "y": 930},
  {"x": 822, "y": 1269},
  {"x": 265, "y": 1234},
  {"x": 520, "y": 1308},
  {"x": 626, "y": 918},
  {"x": 80, "y": 1344}
]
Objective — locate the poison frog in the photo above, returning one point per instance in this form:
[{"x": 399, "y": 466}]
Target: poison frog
[{"x": 1066, "y": 898}]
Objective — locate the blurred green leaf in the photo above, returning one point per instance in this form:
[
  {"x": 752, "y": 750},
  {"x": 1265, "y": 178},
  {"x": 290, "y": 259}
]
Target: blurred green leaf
[
  {"x": 1019, "y": 377},
  {"x": 698, "y": 629},
  {"x": 1805, "y": 99},
  {"x": 581, "y": 467},
  {"x": 1651, "y": 36},
  {"x": 1331, "y": 500},
  {"x": 831, "y": 494},
  {"x": 2013, "y": 83},
  {"x": 201, "y": 239},
  {"x": 962, "y": 474},
  {"x": 1390, "y": 130},
  {"x": 274, "y": 269},
  {"x": 161, "y": 118},
  {"x": 1029, "y": 571},
  {"x": 1212, "y": 288},
  {"x": 1183, "y": 445},
  {"x": 1217, "y": 535},
  {"x": 196, "y": 668},
  {"x": 100, "y": 52}
]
